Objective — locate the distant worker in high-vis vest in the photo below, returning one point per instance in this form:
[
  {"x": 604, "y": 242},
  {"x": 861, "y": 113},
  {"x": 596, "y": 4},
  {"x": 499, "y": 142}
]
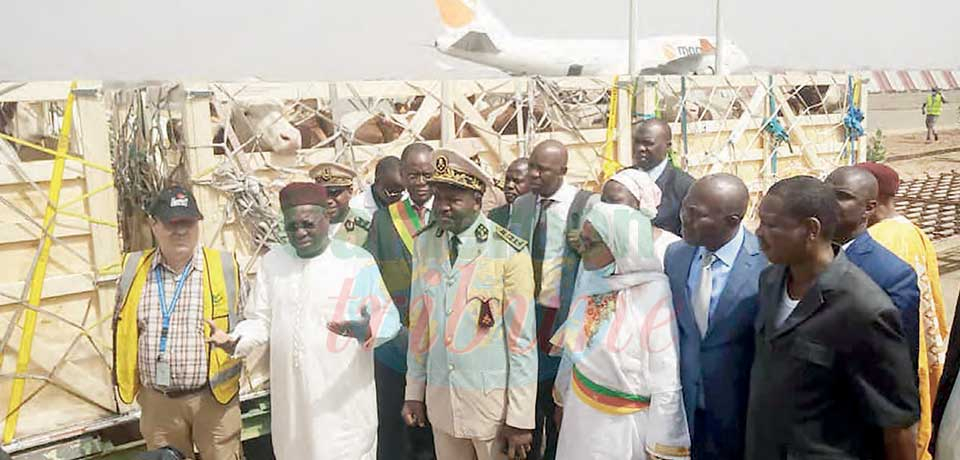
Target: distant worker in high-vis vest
[
  {"x": 167, "y": 299},
  {"x": 932, "y": 108}
]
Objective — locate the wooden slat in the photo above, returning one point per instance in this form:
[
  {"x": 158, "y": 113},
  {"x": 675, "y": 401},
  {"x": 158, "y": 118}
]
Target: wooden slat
[
  {"x": 826, "y": 150},
  {"x": 200, "y": 160},
  {"x": 34, "y": 91},
  {"x": 22, "y": 230},
  {"x": 53, "y": 286},
  {"x": 37, "y": 171},
  {"x": 95, "y": 145}
]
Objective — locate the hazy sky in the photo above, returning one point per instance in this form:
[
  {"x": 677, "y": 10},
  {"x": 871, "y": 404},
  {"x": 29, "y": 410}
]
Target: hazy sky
[{"x": 367, "y": 39}]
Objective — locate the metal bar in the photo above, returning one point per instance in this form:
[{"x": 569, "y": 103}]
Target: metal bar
[{"x": 39, "y": 274}]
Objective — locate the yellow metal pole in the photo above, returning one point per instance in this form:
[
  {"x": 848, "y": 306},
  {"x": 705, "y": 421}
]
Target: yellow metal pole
[
  {"x": 39, "y": 272},
  {"x": 610, "y": 163}
]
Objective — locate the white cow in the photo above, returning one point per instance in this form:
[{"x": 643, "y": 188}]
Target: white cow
[{"x": 263, "y": 119}]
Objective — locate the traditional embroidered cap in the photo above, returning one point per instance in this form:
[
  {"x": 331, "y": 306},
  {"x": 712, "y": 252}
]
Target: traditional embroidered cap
[
  {"x": 452, "y": 168},
  {"x": 887, "y": 178},
  {"x": 302, "y": 193},
  {"x": 329, "y": 174},
  {"x": 175, "y": 203}
]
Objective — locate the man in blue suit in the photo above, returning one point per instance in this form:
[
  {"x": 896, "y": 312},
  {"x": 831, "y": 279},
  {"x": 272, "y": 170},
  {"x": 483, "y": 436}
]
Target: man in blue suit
[
  {"x": 714, "y": 275},
  {"x": 856, "y": 190}
]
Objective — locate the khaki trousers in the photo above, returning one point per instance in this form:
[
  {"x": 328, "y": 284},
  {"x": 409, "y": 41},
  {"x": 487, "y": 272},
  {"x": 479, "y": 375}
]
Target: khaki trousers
[
  {"x": 451, "y": 448},
  {"x": 193, "y": 420}
]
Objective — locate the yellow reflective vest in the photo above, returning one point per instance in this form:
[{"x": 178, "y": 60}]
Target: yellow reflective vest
[
  {"x": 934, "y": 104},
  {"x": 221, "y": 283}
]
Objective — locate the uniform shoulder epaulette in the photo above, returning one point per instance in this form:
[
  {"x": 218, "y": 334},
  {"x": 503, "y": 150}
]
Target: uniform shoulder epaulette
[
  {"x": 514, "y": 241},
  {"x": 362, "y": 223},
  {"x": 424, "y": 229}
]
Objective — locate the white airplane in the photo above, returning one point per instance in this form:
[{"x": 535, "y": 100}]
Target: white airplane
[{"x": 474, "y": 34}]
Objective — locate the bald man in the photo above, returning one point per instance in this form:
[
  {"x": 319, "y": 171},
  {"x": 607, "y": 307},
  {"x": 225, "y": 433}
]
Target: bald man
[
  {"x": 545, "y": 217},
  {"x": 714, "y": 274},
  {"x": 856, "y": 190},
  {"x": 515, "y": 183},
  {"x": 651, "y": 141}
]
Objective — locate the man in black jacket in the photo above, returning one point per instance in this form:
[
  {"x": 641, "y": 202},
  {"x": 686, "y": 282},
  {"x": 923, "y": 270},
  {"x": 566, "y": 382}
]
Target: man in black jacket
[
  {"x": 832, "y": 376},
  {"x": 651, "y": 141}
]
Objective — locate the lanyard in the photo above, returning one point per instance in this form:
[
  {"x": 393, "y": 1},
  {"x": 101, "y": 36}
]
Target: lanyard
[{"x": 167, "y": 310}]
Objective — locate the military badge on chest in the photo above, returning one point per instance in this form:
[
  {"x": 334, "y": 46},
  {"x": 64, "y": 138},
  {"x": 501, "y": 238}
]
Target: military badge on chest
[
  {"x": 485, "y": 315},
  {"x": 349, "y": 225}
]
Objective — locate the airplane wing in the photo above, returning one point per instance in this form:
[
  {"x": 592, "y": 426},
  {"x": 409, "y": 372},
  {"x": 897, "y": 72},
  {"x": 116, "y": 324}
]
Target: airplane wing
[{"x": 691, "y": 64}]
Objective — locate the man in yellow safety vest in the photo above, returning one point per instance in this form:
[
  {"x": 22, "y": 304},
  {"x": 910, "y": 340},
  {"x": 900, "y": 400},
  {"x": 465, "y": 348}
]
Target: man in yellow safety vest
[
  {"x": 167, "y": 299},
  {"x": 932, "y": 108}
]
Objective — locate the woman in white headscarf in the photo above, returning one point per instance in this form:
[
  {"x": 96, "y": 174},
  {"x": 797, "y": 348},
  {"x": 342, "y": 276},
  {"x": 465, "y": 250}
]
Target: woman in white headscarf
[
  {"x": 635, "y": 188},
  {"x": 618, "y": 387}
]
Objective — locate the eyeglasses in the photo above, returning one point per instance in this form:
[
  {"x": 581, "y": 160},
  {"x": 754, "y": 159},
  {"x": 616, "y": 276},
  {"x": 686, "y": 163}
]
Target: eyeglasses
[{"x": 292, "y": 227}]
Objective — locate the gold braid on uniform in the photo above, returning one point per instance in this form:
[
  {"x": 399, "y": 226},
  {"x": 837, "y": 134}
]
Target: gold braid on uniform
[
  {"x": 514, "y": 241},
  {"x": 444, "y": 174}
]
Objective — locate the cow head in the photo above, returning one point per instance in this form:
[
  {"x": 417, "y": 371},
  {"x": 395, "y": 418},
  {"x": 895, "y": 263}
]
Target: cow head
[{"x": 264, "y": 118}]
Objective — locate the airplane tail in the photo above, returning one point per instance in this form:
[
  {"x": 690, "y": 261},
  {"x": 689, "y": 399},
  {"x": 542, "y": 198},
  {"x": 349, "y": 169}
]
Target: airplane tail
[{"x": 460, "y": 17}]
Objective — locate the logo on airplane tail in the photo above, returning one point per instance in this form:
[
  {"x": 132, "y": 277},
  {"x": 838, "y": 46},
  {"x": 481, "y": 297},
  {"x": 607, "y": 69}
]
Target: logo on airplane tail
[
  {"x": 456, "y": 13},
  {"x": 706, "y": 46}
]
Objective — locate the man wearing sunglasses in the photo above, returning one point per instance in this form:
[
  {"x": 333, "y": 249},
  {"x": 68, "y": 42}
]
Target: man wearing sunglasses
[{"x": 346, "y": 223}]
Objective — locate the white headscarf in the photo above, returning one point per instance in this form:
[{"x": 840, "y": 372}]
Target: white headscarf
[
  {"x": 628, "y": 234},
  {"x": 642, "y": 187}
]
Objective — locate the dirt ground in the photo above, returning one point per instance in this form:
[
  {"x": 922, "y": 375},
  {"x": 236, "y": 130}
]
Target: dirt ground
[{"x": 904, "y": 152}]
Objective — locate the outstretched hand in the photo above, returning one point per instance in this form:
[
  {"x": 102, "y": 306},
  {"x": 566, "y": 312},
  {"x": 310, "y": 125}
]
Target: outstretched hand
[
  {"x": 219, "y": 338},
  {"x": 358, "y": 329}
]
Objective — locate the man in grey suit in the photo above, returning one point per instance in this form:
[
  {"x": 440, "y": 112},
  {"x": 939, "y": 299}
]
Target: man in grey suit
[
  {"x": 547, "y": 218},
  {"x": 713, "y": 276},
  {"x": 831, "y": 375}
]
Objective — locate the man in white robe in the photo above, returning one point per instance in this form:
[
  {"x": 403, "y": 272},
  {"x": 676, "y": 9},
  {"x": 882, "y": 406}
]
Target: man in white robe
[{"x": 322, "y": 307}]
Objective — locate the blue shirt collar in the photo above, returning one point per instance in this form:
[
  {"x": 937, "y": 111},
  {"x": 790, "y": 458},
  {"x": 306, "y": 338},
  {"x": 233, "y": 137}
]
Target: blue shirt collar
[{"x": 728, "y": 252}]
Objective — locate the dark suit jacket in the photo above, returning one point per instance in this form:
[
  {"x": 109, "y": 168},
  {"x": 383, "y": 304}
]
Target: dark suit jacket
[
  {"x": 949, "y": 378},
  {"x": 836, "y": 370},
  {"x": 500, "y": 215},
  {"x": 674, "y": 184},
  {"x": 721, "y": 361},
  {"x": 395, "y": 262},
  {"x": 896, "y": 278}
]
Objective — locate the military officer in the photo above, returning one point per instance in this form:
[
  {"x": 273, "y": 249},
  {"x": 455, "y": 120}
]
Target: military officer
[
  {"x": 346, "y": 223},
  {"x": 472, "y": 359}
]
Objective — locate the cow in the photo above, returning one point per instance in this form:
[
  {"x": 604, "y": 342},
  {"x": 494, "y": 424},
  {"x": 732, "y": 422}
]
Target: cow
[
  {"x": 816, "y": 99},
  {"x": 259, "y": 124}
]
